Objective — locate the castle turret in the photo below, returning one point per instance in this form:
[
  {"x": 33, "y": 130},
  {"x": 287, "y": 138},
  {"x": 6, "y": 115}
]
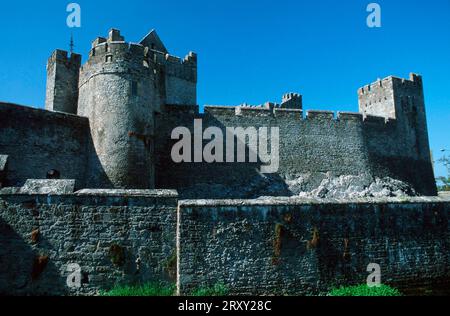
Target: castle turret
[
  {"x": 118, "y": 93},
  {"x": 62, "y": 82}
]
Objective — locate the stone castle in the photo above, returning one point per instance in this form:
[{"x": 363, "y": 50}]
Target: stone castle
[
  {"x": 90, "y": 180},
  {"x": 107, "y": 124}
]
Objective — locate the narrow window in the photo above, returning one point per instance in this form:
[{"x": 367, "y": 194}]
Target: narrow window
[
  {"x": 134, "y": 88},
  {"x": 108, "y": 58}
]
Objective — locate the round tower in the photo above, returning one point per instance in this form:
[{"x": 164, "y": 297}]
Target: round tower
[{"x": 118, "y": 93}]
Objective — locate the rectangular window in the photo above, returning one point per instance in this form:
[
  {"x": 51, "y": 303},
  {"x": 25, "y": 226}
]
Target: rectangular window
[{"x": 134, "y": 88}]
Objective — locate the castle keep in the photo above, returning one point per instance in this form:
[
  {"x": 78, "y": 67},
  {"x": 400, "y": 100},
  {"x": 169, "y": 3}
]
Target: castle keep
[{"x": 90, "y": 180}]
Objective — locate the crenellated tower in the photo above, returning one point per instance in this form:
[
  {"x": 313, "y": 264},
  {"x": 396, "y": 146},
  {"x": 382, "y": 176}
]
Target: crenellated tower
[
  {"x": 118, "y": 93},
  {"x": 62, "y": 82},
  {"x": 402, "y": 100},
  {"x": 121, "y": 87}
]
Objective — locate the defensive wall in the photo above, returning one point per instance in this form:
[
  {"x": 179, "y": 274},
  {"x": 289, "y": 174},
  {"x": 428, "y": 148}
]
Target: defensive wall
[
  {"x": 268, "y": 246},
  {"x": 36, "y": 141},
  {"x": 116, "y": 237},
  {"x": 315, "y": 143}
]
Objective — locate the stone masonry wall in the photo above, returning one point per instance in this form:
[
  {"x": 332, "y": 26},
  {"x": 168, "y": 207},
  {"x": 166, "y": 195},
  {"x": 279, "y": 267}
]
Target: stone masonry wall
[
  {"x": 297, "y": 247},
  {"x": 104, "y": 232},
  {"x": 314, "y": 145},
  {"x": 37, "y": 141},
  {"x": 268, "y": 246}
]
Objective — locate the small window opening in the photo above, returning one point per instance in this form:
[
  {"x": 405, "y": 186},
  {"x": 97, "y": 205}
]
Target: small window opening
[{"x": 53, "y": 174}]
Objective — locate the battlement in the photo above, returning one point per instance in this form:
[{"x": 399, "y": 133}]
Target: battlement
[
  {"x": 296, "y": 114},
  {"x": 62, "y": 56},
  {"x": 190, "y": 58},
  {"x": 349, "y": 116},
  {"x": 382, "y": 97},
  {"x": 114, "y": 55},
  {"x": 414, "y": 80},
  {"x": 254, "y": 111},
  {"x": 292, "y": 101},
  {"x": 114, "y": 49}
]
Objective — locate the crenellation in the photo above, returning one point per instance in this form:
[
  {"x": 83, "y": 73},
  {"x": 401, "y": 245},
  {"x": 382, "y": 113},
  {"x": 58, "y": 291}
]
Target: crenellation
[
  {"x": 220, "y": 110},
  {"x": 114, "y": 36},
  {"x": 173, "y": 59},
  {"x": 253, "y": 111},
  {"x": 349, "y": 116},
  {"x": 292, "y": 101},
  {"x": 98, "y": 41},
  {"x": 319, "y": 115},
  {"x": 190, "y": 58},
  {"x": 375, "y": 119},
  {"x": 294, "y": 114}
]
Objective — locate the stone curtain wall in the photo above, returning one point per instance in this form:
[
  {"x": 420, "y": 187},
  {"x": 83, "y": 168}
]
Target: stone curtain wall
[
  {"x": 272, "y": 246},
  {"x": 37, "y": 141},
  {"x": 314, "y": 144},
  {"x": 288, "y": 246},
  {"x": 105, "y": 233}
]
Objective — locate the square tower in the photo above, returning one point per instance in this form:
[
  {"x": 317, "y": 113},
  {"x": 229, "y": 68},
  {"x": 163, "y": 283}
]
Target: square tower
[{"x": 62, "y": 82}]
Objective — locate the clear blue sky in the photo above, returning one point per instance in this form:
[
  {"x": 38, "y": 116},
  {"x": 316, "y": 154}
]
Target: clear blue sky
[{"x": 250, "y": 50}]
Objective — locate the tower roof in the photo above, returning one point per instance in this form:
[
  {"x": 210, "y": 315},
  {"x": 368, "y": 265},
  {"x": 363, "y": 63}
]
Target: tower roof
[{"x": 153, "y": 41}]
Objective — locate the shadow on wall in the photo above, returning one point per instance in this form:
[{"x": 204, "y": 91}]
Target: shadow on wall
[
  {"x": 211, "y": 180},
  {"x": 37, "y": 141},
  {"x": 25, "y": 268},
  {"x": 387, "y": 156},
  {"x": 96, "y": 176}
]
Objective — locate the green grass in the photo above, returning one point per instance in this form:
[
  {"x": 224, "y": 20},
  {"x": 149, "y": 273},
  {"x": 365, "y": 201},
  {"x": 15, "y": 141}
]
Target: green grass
[
  {"x": 217, "y": 290},
  {"x": 150, "y": 289},
  {"x": 364, "y": 290},
  {"x": 154, "y": 289}
]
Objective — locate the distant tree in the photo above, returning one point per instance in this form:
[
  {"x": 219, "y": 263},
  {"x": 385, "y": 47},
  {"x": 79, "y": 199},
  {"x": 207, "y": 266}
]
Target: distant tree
[{"x": 445, "y": 180}]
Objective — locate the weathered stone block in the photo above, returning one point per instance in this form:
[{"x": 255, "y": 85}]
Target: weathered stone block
[{"x": 37, "y": 186}]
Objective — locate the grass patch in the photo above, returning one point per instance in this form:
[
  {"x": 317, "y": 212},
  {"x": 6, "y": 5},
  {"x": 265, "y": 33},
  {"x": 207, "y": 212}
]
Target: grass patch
[
  {"x": 364, "y": 290},
  {"x": 150, "y": 289},
  {"x": 217, "y": 290}
]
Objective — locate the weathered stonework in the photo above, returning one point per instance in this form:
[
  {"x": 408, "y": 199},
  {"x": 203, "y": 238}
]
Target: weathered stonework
[
  {"x": 268, "y": 246},
  {"x": 129, "y": 98},
  {"x": 106, "y": 134},
  {"x": 48, "y": 187},
  {"x": 86, "y": 229},
  {"x": 62, "y": 82},
  {"x": 304, "y": 247}
]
